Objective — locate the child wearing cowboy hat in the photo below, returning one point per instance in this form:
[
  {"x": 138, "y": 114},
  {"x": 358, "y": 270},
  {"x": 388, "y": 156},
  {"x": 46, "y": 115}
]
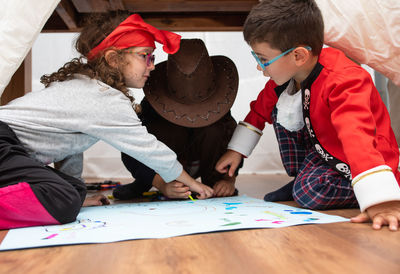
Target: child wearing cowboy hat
[{"x": 187, "y": 106}]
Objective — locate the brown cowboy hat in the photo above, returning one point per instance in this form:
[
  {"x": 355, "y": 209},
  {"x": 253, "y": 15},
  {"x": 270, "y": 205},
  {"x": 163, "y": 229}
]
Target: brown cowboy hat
[{"x": 192, "y": 89}]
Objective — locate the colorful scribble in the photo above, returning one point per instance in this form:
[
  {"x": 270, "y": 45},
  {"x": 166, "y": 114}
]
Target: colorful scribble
[
  {"x": 161, "y": 219},
  {"x": 50, "y": 236}
]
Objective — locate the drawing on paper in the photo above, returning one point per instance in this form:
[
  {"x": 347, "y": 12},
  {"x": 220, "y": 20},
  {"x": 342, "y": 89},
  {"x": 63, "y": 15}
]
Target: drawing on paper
[{"x": 163, "y": 219}]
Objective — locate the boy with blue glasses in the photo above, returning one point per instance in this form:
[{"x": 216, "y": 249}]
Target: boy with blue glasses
[
  {"x": 332, "y": 127},
  {"x": 263, "y": 65}
]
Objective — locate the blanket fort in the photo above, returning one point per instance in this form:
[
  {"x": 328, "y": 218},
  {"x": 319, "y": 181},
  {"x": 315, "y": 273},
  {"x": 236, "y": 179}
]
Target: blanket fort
[{"x": 118, "y": 222}]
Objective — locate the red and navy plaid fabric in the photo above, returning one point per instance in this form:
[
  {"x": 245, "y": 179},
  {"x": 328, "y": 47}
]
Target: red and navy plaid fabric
[{"x": 316, "y": 184}]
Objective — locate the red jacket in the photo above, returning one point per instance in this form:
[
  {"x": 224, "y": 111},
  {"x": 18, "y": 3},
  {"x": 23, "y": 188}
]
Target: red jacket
[{"x": 347, "y": 114}]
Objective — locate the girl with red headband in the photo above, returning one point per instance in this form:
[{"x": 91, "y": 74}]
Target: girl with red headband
[{"x": 85, "y": 101}]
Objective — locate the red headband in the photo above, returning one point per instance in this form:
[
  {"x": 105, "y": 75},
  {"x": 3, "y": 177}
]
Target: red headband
[{"x": 134, "y": 32}]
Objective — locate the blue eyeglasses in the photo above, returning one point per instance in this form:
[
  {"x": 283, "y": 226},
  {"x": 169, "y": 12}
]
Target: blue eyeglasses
[{"x": 265, "y": 65}]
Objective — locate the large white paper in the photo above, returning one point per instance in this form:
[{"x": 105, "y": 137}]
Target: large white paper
[{"x": 120, "y": 222}]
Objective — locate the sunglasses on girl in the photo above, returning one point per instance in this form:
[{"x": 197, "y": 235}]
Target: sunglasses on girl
[{"x": 265, "y": 65}]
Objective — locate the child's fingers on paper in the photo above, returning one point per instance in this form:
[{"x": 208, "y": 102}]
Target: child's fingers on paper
[
  {"x": 217, "y": 189},
  {"x": 177, "y": 193},
  {"x": 182, "y": 191},
  {"x": 179, "y": 188},
  {"x": 184, "y": 188},
  {"x": 219, "y": 193},
  {"x": 210, "y": 192},
  {"x": 205, "y": 192},
  {"x": 229, "y": 192},
  {"x": 182, "y": 195},
  {"x": 201, "y": 195},
  {"x": 221, "y": 190}
]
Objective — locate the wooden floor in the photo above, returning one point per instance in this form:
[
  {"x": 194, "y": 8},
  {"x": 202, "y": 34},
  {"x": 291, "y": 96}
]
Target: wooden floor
[{"x": 324, "y": 248}]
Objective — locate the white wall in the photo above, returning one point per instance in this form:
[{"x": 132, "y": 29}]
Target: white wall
[{"x": 51, "y": 51}]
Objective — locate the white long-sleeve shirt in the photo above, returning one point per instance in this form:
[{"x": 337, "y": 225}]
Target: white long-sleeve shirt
[{"x": 68, "y": 117}]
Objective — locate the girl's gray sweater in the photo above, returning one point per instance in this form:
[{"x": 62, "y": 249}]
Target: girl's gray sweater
[{"x": 68, "y": 117}]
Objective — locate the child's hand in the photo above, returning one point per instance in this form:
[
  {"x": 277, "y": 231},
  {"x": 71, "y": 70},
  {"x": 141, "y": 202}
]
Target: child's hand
[
  {"x": 381, "y": 214},
  {"x": 96, "y": 200},
  {"x": 174, "y": 190},
  {"x": 225, "y": 187},
  {"x": 229, "y": 162},
  {"x": 203, "y": 190}
]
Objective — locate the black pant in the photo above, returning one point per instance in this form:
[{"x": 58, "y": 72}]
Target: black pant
[
  {"x": 60, "y": 194},
  {"x": 205, "y": 145}
]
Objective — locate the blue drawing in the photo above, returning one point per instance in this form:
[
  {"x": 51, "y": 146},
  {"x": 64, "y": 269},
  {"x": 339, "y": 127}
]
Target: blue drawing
[{"x": 162, "y": 219}]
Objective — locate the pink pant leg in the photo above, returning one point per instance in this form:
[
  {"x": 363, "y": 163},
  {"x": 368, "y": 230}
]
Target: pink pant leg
[{"x": 19, "y": 207}]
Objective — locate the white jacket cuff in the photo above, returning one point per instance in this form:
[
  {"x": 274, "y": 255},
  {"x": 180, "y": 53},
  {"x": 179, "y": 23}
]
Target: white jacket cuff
[
  {"x": 245, "y": 138},
  {"x": 375, "y": 186}
]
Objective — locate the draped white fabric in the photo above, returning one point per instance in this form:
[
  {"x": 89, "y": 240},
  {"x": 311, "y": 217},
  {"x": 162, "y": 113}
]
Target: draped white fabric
[
  {"x": 20, "y": 23},
  {"x": 368, "y": 31}
]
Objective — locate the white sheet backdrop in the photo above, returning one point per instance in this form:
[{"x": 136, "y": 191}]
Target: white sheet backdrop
[{"x": 51, "y": 51}]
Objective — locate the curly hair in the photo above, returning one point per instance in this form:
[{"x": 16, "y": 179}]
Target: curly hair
[{"x": 97, "y": 27}]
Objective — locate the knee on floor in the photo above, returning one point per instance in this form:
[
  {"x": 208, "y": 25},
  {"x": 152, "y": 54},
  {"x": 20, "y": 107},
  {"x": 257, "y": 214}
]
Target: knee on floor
[{"x": 63, "y": 202}]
